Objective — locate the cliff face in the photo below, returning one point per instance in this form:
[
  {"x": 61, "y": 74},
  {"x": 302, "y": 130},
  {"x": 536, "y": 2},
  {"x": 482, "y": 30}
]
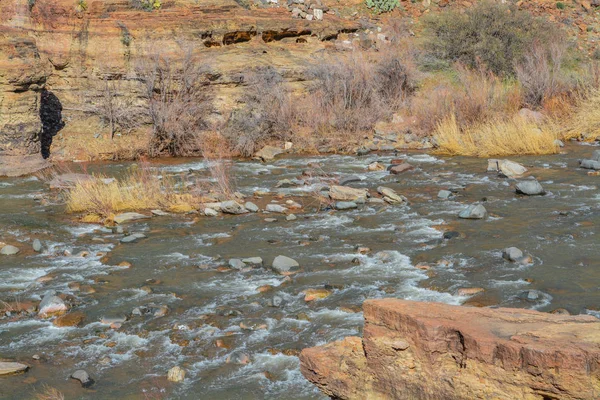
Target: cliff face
[
  {"x": 71, "y": 48},
  {"x": 413, "y": 350}
]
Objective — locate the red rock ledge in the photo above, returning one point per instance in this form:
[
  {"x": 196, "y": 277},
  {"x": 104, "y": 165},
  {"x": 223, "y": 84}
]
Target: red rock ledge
[{"x": 414, "y": 350}]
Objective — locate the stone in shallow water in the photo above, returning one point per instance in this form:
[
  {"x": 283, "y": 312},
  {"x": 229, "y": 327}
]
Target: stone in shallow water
[
  {"x": 176, "y": 374},
  {"x": 530, "y": 187},
  {"x": 390, "y": 195},
  {"x": 474, "y": 211},
  {"x": 52, "y": 305},
  {"x": 128, "y": 216},
  {"x": 129, "y": 239},
  {"x": 9, "y": 250},
  {"x": 37, "y": 245},
  {"x": 284, "y": 265},
  {"x": 276, "y": 208},
  {"x": 232, "y": 207},
  {"x": 83, "y": 377},
  {"x": 236, "y": 263},
  {"x": 253, "y": 260},
  {"x": 9, "y": 368},
  {"x": 344, "y": 193},
  {"x": 345, "y": 205},
  {"x": 209, "y": 212},
  {"x": 512, "y": 254},
  {"x": 251, "y": 206},
  {"x": 444, "y": 194}
]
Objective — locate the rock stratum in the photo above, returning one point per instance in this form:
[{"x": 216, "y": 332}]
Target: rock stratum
[{"x": 414, "y": 350}]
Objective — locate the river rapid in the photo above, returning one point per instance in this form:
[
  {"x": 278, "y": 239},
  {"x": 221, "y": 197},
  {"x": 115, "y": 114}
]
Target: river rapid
[{"x": 219, "y": 318}]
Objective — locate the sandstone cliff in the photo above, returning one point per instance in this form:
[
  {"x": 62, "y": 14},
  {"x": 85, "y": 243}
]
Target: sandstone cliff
[{"x": 413, "y": 350}]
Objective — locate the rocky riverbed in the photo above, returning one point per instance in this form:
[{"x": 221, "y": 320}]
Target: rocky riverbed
[{"x": 222, "y": 304}]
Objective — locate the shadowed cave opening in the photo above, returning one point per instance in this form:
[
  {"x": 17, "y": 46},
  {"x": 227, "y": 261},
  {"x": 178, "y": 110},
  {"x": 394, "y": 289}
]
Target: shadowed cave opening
[{"x": 51, "y": 117}]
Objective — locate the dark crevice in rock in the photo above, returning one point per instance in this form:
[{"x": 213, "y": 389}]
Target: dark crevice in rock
[
  {"x": 51, "y": 117},
  {"x": 269, "y": 36},
  {"x": 238, "y": 37}
]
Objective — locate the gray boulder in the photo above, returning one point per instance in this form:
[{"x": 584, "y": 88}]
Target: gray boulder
[
  {"x": 9, "y": 368},
  {"x": 589, "y": 164},
  {"x": 285, "y": 265},
  {"x": 129, "y": 216},
  {"x": 232, "y": 207},
  {"x": 474, "y": 211},
  {"x": 444, "y": 194},
  {"x": 51, "y": 304},
  {"x": 345, "y": 205},
  {"x": 236, "y": 263},
  {"x": 512, "y": 254},
  {"x": 37, "y": 245},
  {"x": 276, "y": 208},
  {"x": 251, "y": 206},
  {"x": 530, "y": 187},
  {"x": 595, "y": 155},
  {"x": 83, "y": 377},
  {"x": 268, "y": 153}
]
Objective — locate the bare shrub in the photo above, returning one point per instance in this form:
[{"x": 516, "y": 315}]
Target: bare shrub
[
  {"x": 179, "y": 103},
  {"x": 490, "y": 34},
  {"x": 116, "y": 109},
  {"x": 540, "y": 72},
  {"x": 267, "y": 112},
  {"x": 50, "y": 393}
]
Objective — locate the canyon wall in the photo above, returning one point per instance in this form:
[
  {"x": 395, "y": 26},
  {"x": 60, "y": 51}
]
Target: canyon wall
[{"x": 414, "y": 350}]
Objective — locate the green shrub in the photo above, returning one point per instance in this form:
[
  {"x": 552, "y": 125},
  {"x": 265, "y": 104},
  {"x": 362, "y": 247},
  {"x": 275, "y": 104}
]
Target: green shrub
[
  {"x": 560, "y": 5},
  {"x": 492, "y": 35},
  {"x": 380, "y": 6}
]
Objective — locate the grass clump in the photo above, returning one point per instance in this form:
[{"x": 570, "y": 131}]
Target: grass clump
[
  {"x": 494, "y": 138},
  {"x": 138, "y": 190},
  {"x": 584, "y": 122}
]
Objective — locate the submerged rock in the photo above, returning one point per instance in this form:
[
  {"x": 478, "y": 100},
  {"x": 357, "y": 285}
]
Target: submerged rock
[
  {"x": 236, "y": 263},
  {"x": 253, "y": 260},
  {"x": 83, "y": 377},
  {"x": 276, "y": 208},
  {"x": 474, "y": 211},
  {"x": 345, "y": 205},
  {"x": 176, "y": 374},
  {"x": 285, "y": 265},
  {"x": 453, "y": 352},
  {"x": 52, "y": 305},
  {"x": 530, "y": 187},
  {"x": 9, "y": 368},
  {"x": 9, "y": 250}
]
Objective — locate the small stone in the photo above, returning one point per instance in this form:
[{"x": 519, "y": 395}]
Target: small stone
[
  {"x": 276, "y": 301},
  {"x": 376, "y": 166},
  {"x": 345, "y": 193},
  {"x": 128, "y": 216},
  {"x": 51, "y": 305},
  {"x": 270, "y": 219},
  {"x": 238, "y": 358},
  {"x": 316, "y": 294},
  {"x": 400, "y": 345},
  {"x": 83, "y": 377},
  {"x": 253, "y": 260},
  {"x": 530, "y": 187},
  {"x": 161, "y": 311},
  {"x": 276, "y": 208},
  {"x": 345, "y": 205},
  {"x": 285, "y": 265},
  {"x": 37, "y": 245},
  {"x": 73, "y": 319},
  {"x": 474, "y": 211},
  {"x": 469, "y": 291},
  {"x": 159, "y": 213},
  {"x": 129, "y": 239},
  {"x": 209, "y": 212},
  {"x": 9, "y": 250},
  {"x": 236, "y": 263},
  {"x": 251, "y": 206},
  {"x": 176, "y": 374},
  {"x": 232, "y": 207},
  {"x": 268, "y": 153},
  {"x": 512, "y": 254},
  {"x": 444, "y": 194},
  {"x": 400, "y": 168},
  {"x": 390, "y": 196},
  {"x": 291, "y": 217}
]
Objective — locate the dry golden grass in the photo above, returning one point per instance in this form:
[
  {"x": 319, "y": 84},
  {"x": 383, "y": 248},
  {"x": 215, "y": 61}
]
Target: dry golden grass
[
  {"x": 496, "y": 137},
  {"x": 584, "y": 122},
  {"x": 138, "y": 190},
  {"x": 50, "y": 393}
]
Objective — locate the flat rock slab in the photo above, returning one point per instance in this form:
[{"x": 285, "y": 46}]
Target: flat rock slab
[
  {"x": 9, "y": 368},
  {"x": 439, "y": 351},
  {"x": 13, "y": 166},
  {"x": 129, "y": 216}
]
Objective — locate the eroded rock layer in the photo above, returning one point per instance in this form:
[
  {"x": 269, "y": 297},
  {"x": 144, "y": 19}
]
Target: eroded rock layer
[{"x": 414, "y": 350}]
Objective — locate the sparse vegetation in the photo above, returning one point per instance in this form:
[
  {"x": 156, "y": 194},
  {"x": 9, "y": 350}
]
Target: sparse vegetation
[
  {"x": 381, "y": 6},
  {"x": 50, "y": 393},
  {"x": 146, "y": 5}
]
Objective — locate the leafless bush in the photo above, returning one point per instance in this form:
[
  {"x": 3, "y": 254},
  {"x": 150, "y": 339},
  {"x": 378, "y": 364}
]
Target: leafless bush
[
  {"x": 179, "y": 103},
  {"x": 115, "y": 109},
  {"x": 267, "y": 113},
  {"x": 540, "y": 72}
]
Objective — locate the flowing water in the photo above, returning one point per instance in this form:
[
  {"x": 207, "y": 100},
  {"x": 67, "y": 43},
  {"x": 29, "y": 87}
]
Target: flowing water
[{"x": 180, "y": 263}]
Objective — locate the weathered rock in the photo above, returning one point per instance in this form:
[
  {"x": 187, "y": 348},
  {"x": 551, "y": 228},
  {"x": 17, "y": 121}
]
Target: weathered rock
[
  {"x": 595, "y": 155},
  {"x": 530, "y": 187},
  {"x": 238, "y": 358},
  {"x": 390, "y": 195},
  {"x": 83, "y": 377},
  {"x": 251, "y": 206},
  {"x": 236, "y": 263},
  {"x": 509, "y": 169},
  {"x": 512, "y": 254},
  {"x": 9, "y": 250},
  {"x": 376, "y": 166},
  {"x": 129, "y": 239},
  {"x": 345, "y": 205},
  {"x": 176, "y": 374},
  {"x": 159, "y": 213},
  {"x": 210, "y": 212},
  {"x": 413, "y": 350},
  {"x": 469, "y": 291},
  {"x": 474, "y": 211},
  {"x": 291, "y": 217},
  {"x": 316, "y": 294},
  {"x": 268, "y": 153},
  {"x": 52, "y": 305},
  {"x": 589, "y": 164},
  {"x": 232, "y": 207},
  {"x": 253, "y": 260},
  {"x": 345, "y": 193},
  {"x": 70, "y": 319},
  {"x": 349, "y": 179},
  {"x": 400, "y": 168},
  {"x": 9, "y": 368},
  {"x": 285, "y": 265},
  {"x": 128, "y": 217},
  {"x": 444, "y": 194},
  {"x": 531, "y": 115},
  {"x": 276, "y": 208}
]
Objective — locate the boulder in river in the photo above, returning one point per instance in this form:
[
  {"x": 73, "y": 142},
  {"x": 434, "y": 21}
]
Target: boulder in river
[
  {"x": 236, "y": 263},
  {"x": 376, "y": 166},
  {"x": 390, "y": 196},
  {"x": 9, "y": 250},
  {"x": 507, "y": 168},
  {"x": 444, "y": 194},
  {"x": 268, "y": 153},
  {"x": 210, "y": 212},
  {"x": 37, "y": 245},
  {"x": 589, "y": 164},
  {"x": 9, "y": 368},
  {"x": 285, "y": 265},
  {"x": 251, "y": 206},
  {"x": 253, "y": 260},
  {"x": 232, "y": 207},
  {"x": 452, "y": 353},
  {"x": 345, "y": 193},
  {"x": 595, "y": 155},
  {"x": 83, "y": 377},
  {"x": 512, "y": 254},
  {"x": 276, "y": 208},
  {"x": 128, "y": 217},
  {"x": 400, "y": 168},
  {"x": 72, "y": 319},
  {"x": 51, "y": 305},
  {"x": 474, "y": 211},
  {"x": 530, "y": 187}
]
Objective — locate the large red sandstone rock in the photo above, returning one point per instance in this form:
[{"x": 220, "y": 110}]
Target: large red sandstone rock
[{"x": 413, "y": 350}]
